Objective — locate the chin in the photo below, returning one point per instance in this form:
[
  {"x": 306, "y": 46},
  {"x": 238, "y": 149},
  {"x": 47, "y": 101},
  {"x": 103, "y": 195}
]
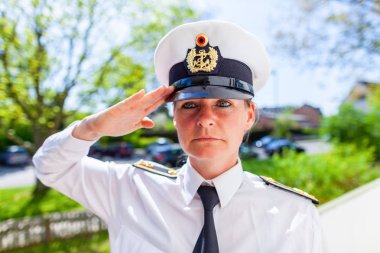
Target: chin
[
  {"x": 207, "y": 152},
  {"x": 205, "y": 155}
]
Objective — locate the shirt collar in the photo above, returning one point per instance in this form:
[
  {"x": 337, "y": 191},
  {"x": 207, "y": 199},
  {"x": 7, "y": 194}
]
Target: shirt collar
[{"x": 226, "y": 184}]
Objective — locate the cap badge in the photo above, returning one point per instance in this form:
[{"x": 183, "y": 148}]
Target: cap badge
[{"x": 199, "y": 59}]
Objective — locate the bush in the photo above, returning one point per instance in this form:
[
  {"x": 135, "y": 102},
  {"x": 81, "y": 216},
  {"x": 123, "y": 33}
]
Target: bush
[
  {"x": 325, "y": 176},
  {"x": 357, "y": 126}
]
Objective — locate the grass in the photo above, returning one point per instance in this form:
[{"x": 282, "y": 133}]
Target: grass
[
  {"x": 96, "y": 243},
  {"x": 19, "y": 202}
]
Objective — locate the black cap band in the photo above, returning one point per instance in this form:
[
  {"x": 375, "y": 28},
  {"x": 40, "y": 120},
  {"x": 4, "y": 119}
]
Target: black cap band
[{"x": 221, "y": 81}]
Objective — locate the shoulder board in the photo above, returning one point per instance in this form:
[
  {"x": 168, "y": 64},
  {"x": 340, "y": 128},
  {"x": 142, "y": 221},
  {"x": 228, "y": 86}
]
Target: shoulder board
[
  {"x": 156, "y": 168},
  {"x": 271, "y": 181}
]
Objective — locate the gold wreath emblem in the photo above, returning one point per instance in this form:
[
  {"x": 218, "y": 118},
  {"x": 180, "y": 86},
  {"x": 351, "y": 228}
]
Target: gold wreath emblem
[{"x": 202, "y": 60}]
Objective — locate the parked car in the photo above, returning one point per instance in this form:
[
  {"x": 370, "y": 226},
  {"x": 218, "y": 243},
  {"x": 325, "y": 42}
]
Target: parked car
[
  {"x": 246, "y": 151},
  {"x": 97, "y": 151},
  {"x": 114, "y": 150},
  {"x": 168, "y": 155},
  {"x": 14, "y": 155},
  {"x": 278, "y": 146},
  {"x": 263, "y": 141},
  {"x": 119, "y": 150},
  {"x": 158, "y": 143}
]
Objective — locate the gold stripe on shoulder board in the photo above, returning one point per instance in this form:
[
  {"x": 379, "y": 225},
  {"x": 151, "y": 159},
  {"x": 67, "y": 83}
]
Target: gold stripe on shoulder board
[
  {"x": 156, "y": 168},
  {"x": 271, "y": 181}
]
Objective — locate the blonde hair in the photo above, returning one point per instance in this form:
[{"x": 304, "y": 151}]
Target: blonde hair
[{"x": 248, "y": 103}]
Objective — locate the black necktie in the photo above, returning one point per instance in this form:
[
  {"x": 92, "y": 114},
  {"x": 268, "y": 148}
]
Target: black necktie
[{"x": 207, "y": 240}]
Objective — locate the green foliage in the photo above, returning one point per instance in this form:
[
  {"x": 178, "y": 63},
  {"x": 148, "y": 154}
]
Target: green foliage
[
  {"x": 284, "y": 124},
  {"x": 89, "y": 52},
  {"x": 114, "y": 82},
  {"x": 355, "y": 126},
  {"x": 147, "y": 29},
  {"x": 325, "y": 176},
  {"x": 331, "y": 32},
  {"x": 348, "y": 125},
  {"x": 19, "y": 202}
]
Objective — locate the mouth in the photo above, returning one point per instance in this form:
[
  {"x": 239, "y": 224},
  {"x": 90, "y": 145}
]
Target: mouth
[{"x": 206, "y": 139}]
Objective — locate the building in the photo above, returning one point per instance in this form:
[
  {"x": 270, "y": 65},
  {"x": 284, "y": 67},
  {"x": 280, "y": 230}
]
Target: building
[
  {"x": 359, "y": 93},
  {"x": 304, "y": 117}
]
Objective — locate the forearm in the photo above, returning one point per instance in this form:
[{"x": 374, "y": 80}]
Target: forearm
[
  {"x": 62, "y": 164},
  {"x": 59, "y": 152}
]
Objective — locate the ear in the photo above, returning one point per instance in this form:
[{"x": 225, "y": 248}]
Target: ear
[{"x": 251, "y": 116}]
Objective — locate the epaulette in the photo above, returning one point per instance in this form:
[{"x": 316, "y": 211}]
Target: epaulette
[
  {"x": 156, "y": 168},
  {"x": 271, "y": 181}
]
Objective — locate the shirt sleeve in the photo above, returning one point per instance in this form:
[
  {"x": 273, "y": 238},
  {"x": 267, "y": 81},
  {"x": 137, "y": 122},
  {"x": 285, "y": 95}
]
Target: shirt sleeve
[
  {"x": 62, "y": 163},
  {"x": 318, "y": 241}
]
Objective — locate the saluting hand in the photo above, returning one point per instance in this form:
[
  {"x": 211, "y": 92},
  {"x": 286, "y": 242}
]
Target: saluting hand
[{"x": 123, "y": 117}]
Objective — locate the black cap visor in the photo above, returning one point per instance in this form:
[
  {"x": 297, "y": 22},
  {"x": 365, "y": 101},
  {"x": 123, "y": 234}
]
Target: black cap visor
[{"x": 211, "y": 87}]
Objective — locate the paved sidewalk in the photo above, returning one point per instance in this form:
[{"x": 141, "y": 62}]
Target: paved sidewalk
[{"x": 17, "y": 177}]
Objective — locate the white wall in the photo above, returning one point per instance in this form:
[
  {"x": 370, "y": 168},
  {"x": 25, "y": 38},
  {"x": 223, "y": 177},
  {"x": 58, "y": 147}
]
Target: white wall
[{"x": 351, "y": 223}]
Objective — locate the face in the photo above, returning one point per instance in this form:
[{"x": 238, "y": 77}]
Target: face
[{"x": 212, "y": 128}]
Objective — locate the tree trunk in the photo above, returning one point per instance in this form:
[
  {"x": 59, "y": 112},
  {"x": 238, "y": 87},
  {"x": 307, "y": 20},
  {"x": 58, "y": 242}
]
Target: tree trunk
[
  {"x": 39, "y": 137},
  {"x": 39, "y": 189}
]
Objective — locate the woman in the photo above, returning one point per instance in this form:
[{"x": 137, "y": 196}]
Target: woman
[{"x": 210, "y": 204}]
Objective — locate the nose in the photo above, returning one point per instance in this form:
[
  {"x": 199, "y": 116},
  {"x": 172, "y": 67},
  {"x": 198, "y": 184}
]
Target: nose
[{"x": 206, "y": 117}]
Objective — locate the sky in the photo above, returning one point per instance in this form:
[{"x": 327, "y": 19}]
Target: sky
[{"x": 289, "y": 83}]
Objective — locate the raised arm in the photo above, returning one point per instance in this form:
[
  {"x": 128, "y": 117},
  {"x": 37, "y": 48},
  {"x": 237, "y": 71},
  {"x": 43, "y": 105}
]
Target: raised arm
[
  {"x": 62, "y": 162},
  {"x": 124, "y": 117}
]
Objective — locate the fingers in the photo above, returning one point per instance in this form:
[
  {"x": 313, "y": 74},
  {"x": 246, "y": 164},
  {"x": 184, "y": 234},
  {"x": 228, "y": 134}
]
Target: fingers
[
  {"x": 132, "y": 100},
  {"x": 139, "y": 105},
  {"x": 148, "y": 110},
  {"x": 138, "y": 95},
  {"x": 147, "y": 123},
  {"x": 143, "y": 101},
  {"x": 158, "y": 103},
  {"x": 156, "y": 95},
  {"x": 144, "y": 123}
]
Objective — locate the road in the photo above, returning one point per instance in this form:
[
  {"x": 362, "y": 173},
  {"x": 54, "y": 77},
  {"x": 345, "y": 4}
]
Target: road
[
  {"x": 11, "y": 177},
  {"x": 310, "y": 146},
  {"x": 315, "y": 146}
]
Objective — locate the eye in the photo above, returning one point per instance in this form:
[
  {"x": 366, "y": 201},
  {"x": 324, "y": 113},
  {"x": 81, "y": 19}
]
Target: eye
[
  {"x": 189, "y": 105},
  {"x": 224, "y": 103}
]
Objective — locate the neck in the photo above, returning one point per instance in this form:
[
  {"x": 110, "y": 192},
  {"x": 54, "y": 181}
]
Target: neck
[{"x": 211, "y": 168}]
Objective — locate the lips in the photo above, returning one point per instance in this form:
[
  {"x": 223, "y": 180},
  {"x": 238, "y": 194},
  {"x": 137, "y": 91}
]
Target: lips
[{"x": 206, "y": 138}]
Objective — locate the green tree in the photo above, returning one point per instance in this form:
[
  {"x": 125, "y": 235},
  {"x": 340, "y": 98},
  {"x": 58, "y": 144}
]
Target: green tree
[
  {"x": 284, "y": 124},
  {"x": 81, "y": 53},
  {"x": 348, "y": 125},
  {"x": 343, "y": 33},
  {"x": 354, "y": 126}
]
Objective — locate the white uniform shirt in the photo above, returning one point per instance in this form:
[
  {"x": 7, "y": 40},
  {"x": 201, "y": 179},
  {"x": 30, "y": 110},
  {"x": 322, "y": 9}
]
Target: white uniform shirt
[{"x": 146, "y": 212}]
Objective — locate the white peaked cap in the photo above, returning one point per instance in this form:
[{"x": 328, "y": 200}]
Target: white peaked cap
[{"x": 237, "y": 50}]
